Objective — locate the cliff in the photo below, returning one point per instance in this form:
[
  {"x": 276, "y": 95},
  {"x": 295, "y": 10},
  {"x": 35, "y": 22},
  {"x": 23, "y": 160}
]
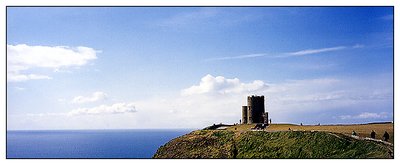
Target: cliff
[{"x": 263, "y": 144}]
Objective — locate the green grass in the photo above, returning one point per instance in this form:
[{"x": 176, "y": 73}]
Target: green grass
[
  {"x": 304, "y": 145},
  {"x": 199, "y": 144},
  {"x": 262, "y": 144}
]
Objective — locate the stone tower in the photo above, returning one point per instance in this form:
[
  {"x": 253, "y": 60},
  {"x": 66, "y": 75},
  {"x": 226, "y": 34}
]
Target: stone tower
[
  {"x": 254, "y": 112},
  {"x": 244, "y": 115}
]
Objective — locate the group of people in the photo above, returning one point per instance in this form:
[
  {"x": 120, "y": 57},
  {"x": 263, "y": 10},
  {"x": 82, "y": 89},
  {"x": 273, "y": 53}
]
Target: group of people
[
  {"x": 385, "y": 135},
  {"x": 373, "y": 135}
]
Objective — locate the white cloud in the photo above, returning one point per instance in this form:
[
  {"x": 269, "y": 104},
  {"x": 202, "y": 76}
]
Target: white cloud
[
  {"x": 222, "y": 85},
  {"x": 15, "y": 77},
  {"x": 366, "y": 115},
  {"x": 96, "y": 96},
  {"x": 117, "y": 108},
  {"x": 314, "y": 51},
  {"x": 22, "y": 58},
  {"x": 288, "y": 54},
  {"x": 237, "y": 57}
]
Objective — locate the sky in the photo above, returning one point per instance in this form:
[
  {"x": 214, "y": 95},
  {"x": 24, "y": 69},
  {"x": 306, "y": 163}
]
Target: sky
[{"x": 190, "y": 67}]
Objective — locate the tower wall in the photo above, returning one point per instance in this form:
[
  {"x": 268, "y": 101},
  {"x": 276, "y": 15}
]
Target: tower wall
[
  {"x": 256, "y": 109},
  {"x": 249, "y": 115},
  {"x": 244, "y": 114},
  {"x": 249, "y": 110}
]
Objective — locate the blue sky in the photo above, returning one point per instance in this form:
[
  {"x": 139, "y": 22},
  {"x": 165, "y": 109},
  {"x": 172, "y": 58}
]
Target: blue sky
[{"x": 180, "y": 67}]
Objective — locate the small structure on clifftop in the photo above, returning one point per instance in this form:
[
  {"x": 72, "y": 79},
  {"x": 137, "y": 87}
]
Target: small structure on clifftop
[{"x": 254, "y": 112}]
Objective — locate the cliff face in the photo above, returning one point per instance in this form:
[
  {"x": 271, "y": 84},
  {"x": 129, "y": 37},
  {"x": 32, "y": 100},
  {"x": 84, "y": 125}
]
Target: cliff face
[{"x": 260, "y": 144}]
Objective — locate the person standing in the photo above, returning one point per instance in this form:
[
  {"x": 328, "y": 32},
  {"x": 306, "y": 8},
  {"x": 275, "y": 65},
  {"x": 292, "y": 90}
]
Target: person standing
[
  {"x": 373, "y": 134},
  {"x": 386, "y": 136}
]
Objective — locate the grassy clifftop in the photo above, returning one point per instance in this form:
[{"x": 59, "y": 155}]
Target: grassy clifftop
[
  {"x": 262, "y": 144},
  {"x": 199, "y": 144}
]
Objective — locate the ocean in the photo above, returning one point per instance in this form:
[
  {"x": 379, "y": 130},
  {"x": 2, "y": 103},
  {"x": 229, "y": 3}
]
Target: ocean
[{"x": 88, "y": 143}]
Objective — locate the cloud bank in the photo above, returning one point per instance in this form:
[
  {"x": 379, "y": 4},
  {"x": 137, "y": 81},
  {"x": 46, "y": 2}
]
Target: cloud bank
[
  {"x": 96, "y": 96},
  {"x": 117, "y": 108},
  {"x": 366, "y": 115},
  {"x": 23, "y": 58},
  {"x": 216, "y": 99},
  {"x": 221, "y": 85}
]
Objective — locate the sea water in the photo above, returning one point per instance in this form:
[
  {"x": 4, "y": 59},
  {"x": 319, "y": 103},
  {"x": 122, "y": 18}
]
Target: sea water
[{"x": 88, "y": 143}]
